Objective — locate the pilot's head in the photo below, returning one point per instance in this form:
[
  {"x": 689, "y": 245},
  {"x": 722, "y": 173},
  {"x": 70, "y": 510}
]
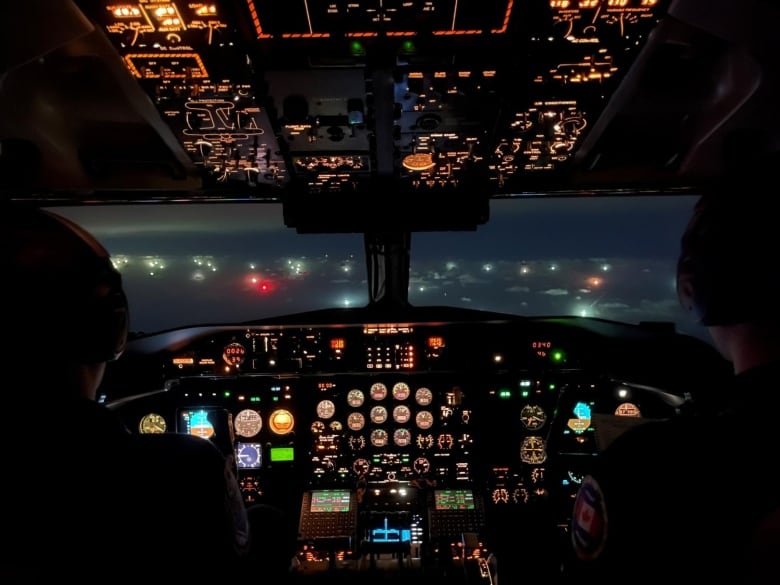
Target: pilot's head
[
  {"x": 727, "y": 272},
  {"x": 64, "y": 304}
]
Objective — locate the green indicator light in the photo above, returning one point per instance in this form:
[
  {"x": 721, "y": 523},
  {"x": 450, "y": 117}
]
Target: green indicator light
[
  {"x": 408, "y": 47},
  {"x": 504, "y": 393},
  {"x": 524, "y": 393},
  {"x": 226, "y": 393},
  {"x": 356, "y": 48},
  {"x": 551, "y": 387},
  {"x": 557, "y": 356},
  {"x": 276, "y": 399}
]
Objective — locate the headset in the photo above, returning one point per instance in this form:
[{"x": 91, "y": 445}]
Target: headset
[
  {"x": 725, "y": 272},
  {"x": 65, "y": 292}
]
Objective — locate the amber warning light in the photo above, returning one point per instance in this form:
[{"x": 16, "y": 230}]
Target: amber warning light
[{"x": 436, "y": 342}]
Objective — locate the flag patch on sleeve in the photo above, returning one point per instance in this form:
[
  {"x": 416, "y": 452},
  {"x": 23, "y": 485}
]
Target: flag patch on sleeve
[{"x": 589, "y": 521}]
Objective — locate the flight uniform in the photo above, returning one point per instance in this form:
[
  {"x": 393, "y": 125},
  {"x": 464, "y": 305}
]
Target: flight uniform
[{"x": 694, "y": 497}]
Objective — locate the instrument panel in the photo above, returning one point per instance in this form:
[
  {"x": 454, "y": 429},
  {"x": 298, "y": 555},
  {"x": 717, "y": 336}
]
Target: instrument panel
[{"x": 407, "y": 418}]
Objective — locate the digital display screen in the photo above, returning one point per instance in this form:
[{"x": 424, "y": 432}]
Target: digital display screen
[
  {"x": 330, "y": 501},
  {"x": 201, "y": 422},
  {"x": 249, "y": 455},
  {"x": 277, "y": 454},
  {"x": 453, "y": 499}
]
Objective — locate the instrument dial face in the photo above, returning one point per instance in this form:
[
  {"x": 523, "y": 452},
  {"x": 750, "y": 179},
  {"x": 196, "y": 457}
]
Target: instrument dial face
[
  {"x": 401, "y": 414},
  {"x": 355, "y": 398},
  {"x": 628, "y": 409},
  {"x": 326, "y": 409},
  {"x": 421, "y": 465},
  {"x": 152, "y": 423},
  {"x": 378, "y": 414},
  {"x": 247, "y": 423},
  {"x": 249, "y": 455},
  {"x": 378, "y": 391},
  {"x": 317, "y": 427},
  {"x": 336, "y": 426},
  {"x": 402, "y": 437},
  {"x": 281, "y": 421},
  {"x": 357, "y": 442},
  {"x": 379, "y": 437},
  {"x": 356, "y": 421},
  {"x": 423, "y": 396},
  {"x": 533, "y": 417},
  {"x": 424, "y": 419},
  {"x": 401, "y": 391},
  {"x": 533, "y": 450},
  {"x": 361, "y": 466}
]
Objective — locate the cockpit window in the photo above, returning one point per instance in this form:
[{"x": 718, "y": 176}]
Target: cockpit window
[{"x": 611, "y": 258}]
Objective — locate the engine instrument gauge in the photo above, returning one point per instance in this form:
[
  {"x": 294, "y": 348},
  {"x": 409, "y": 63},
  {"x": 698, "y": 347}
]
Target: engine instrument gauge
[
  {"x": 378, "y": 391},
  {"x": 336, "y": 426},
  {"x": 355, "y": 398},
  {"x": 317, "y": 427},
  {"x": 533, "y": 417},
  {"x": 356, "y": 421},
  {"x": 402, "y": 437},
  {"x": 378, "y": 414},
  {"x": 401, "y": 391},
  {"x": 423, "y": 396},
  {"x": 379, "y": 437},
  {"x": 247, "y": 423},
  {"x": 424, "y": 419},
  {"x": 152, "y": 423},
  {"x": 401, "y": 414}
]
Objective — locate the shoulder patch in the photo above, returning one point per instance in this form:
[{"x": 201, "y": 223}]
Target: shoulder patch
[{"x": 589, "y": 521}]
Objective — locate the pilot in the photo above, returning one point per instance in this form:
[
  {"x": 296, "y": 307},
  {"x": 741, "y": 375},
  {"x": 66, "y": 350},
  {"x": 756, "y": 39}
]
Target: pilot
[
  {"x": 86, "y": 499},
  {"x": 696, "y": 496}
]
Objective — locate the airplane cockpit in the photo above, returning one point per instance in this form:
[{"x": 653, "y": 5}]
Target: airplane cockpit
[{"x": 403, "y": 440}]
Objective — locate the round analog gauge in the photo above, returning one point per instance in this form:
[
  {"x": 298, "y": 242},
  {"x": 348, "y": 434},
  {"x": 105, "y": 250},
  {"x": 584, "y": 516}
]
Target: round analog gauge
[
  {"x": 421, "y": 465},
  {"x": 249, "y": 455},
  {"x": 356, "y": 442},
  {"x": 361, "y": 466},
  {"x": 326, "y": 409},
  {"x": 402, "y": 437},
  {"x": 378, "y": 391},
  {"x": 533, "y": 450},
  {"x": 401, "y": 414},
  {"x": 335, "y": 426},
  {"x": 423, "y": 396},
  {"x": 379, "y": 437},
  {"x": 424, "y": 441},
  {"x": 281, "y": 421},
  {"x": 533, "y": 417},
  {"x": 152, "y": 423},
  {"x": 401, "y": 391},
  {"x": 424, "y": 419},
  {"x": 355, "y": 398},
  {"x": 628, "y": 409},
  {"x": 378, "y": 414},
  {"x": 247, "y": 423},
  {"x": 356, "y": 421},
  {"x": 317, "y": 427},
  {"x": 234, "y": 354},
  {"x": 445, "y": 441}
]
